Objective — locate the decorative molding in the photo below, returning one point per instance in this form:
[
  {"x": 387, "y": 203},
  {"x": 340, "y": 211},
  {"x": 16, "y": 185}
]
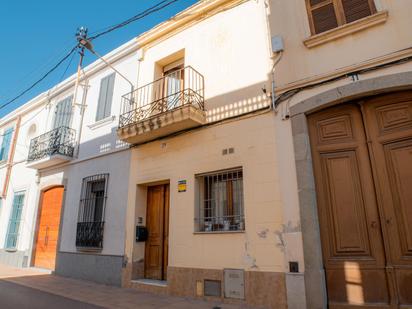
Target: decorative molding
[
  {"x": 344, "y": 30},
  {"x": 101, "y": 122}
]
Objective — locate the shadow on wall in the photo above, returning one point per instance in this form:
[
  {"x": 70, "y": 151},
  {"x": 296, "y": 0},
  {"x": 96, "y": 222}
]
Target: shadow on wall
[
  {"x": 102, "y": 144},
  {"x": 231, "y": 104},
  {"x": 238, "y": 102}
]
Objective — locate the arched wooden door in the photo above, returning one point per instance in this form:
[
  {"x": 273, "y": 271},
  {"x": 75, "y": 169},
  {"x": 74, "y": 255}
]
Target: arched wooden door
[
  {"x": 362, "y": 157},
  {"x": 48, "y": 229}
]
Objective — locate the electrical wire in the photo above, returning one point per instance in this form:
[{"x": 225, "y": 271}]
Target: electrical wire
[
  {"x": 65, "y": 71},
  {"x": 159, "y": 6},
  {"x": 40, "y": 79},
  {"x": 6, "y": 93},
  {"x": 290, "y": 93}
]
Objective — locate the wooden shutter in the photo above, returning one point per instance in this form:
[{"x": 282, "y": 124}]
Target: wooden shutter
[
  {"x": 328, "y": 14},
  {"x": 357, "y": 9},
  {"x": 63, "y": 113},
  {"x": 104, "y": 106},
  {"x": 5, "y": 144}
]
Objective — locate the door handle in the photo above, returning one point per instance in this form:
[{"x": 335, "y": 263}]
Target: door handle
[
  {"x": 388, "y": 220},
  {"x": 374, "y": 224},
  {"x": 46, "y": 237}
]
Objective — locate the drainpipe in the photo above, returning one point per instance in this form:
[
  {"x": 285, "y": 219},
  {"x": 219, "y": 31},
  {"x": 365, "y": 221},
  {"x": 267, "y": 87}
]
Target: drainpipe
[
  {"x": 273, "y": 95},
  {"x": 11, "y": 158}
]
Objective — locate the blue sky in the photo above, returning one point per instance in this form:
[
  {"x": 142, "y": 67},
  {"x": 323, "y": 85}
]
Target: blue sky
[{"x": 35, "y": 34}]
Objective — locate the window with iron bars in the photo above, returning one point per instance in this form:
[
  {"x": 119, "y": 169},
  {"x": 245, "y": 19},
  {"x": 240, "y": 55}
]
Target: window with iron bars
[
  {"x": 220, "y": 201},
  {"x": 90, "y": 225}
]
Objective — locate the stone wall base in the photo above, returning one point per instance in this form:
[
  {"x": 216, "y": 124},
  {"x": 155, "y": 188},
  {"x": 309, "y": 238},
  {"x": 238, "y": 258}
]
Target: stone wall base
[
  {"x": 105, "y": 269},
  {"x": 13, "y": 258},
  {"x": 262, "y": 289}
]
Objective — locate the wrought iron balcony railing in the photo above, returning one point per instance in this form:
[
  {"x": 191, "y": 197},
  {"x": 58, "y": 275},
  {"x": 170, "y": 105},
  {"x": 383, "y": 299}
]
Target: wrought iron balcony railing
[
  {"x": 177, "y": 89},
  {"x": 58, "y": 141},
  {"x": 90, "y": 234}
]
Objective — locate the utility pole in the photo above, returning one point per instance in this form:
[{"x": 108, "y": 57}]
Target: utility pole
[
  {"x": 85, "y": 43},
  {"x": 81, "y": 36}
]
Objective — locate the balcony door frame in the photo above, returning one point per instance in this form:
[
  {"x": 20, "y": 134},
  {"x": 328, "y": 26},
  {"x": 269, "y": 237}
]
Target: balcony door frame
[
  {"x": 167, "y": 70},
  {"x": 63, "y": 122}
]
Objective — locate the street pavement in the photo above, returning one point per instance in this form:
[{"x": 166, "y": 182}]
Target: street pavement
[
  {"x": 17, "y": 296},
  {"x": 35, "y": 289}
]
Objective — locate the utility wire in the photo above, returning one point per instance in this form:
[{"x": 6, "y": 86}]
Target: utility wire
[
  {"x": 159, "y": 6},
  {"x": 6, "y": 94},
  {"x": 41, "y": 79},
  {"x": 68, "y": 65},
  {"x": 45, "y": 105}
]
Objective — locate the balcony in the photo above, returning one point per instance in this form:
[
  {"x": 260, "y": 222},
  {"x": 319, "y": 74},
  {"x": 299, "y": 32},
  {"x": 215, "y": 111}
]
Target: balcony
[
  {"x": 168, "y": 105},
  {"x": 51, "y": 148}
]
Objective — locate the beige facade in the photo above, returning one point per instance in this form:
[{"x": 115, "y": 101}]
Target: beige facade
[
  {"x": 237, "y": 117},
  {"x": 349, "y": 63}
]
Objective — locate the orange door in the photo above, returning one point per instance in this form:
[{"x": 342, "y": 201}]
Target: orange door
[{"x": 48, "y": 231}]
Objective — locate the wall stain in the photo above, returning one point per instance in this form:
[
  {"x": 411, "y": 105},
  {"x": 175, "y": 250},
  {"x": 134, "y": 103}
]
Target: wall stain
[{"x": 286, "y": 228}]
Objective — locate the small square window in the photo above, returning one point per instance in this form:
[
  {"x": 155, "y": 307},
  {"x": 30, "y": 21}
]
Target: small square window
[{"x": 220, "y": 201}]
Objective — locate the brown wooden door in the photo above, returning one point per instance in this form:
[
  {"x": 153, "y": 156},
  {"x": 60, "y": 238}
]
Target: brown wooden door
[
  {"x": 48, "y": 229},
  {"x": 362, "y": 157},
  {"x": 157, "y": 222},
  {"x": 389, "y": 127},
  {"x": 352, "y": 245}
]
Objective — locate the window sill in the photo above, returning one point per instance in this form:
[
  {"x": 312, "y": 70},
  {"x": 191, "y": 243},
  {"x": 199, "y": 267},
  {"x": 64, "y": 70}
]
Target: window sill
[
  {"x": 219, "y": 232},
  {"x": 89, "y": 249},
  {"x": 10, "y": 250},
  {"x": 102, "y": 122},
  {"x": 344, "y": 30}
]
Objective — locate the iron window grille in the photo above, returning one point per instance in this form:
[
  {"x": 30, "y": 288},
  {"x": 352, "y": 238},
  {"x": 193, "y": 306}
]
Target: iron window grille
[
  {"x": 90, "y": 225},
  {"x": 220, "y": 201}
]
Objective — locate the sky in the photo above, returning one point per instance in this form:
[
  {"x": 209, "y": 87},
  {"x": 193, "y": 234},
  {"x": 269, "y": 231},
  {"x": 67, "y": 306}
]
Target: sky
[{"x": 36, "y": 34}]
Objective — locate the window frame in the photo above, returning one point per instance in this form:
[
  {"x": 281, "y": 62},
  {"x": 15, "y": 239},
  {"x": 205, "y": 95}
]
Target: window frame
[
  {"x": 224, "y": 216},
  {"x": 4, "y": 155},
  {"x": 339, "y": 12},
  {"x": 106, "y": 112},
  {"x": 19, "y": 221}
]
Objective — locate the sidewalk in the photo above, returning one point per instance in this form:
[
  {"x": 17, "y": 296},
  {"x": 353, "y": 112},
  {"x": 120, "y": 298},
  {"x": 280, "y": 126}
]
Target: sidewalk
[{"x": 100, "y": 295}]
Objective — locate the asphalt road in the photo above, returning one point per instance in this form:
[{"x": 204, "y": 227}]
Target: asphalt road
[{"x": 20, "y": 297}]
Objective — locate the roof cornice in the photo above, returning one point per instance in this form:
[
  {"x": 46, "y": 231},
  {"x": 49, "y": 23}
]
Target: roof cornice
[{"x": 189, "y": 16}]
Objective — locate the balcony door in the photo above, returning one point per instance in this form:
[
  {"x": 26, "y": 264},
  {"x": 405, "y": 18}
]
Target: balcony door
[
  {"x": 173, "y": 85},
  {"x": 63, "y": 113},
  {"x": 61, "y": 123}
]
